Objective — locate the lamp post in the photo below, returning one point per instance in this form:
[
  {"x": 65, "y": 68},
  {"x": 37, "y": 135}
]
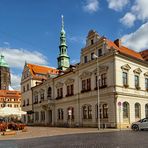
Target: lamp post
[{"x": 98, "y": 98}]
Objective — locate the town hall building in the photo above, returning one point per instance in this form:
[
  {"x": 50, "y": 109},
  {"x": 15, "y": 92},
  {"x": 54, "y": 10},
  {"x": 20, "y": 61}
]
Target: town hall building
[{"x": 109, "y": 87}]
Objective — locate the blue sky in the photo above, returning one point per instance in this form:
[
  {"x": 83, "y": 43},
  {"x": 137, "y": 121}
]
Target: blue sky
[{"x": 30, "y": 29}]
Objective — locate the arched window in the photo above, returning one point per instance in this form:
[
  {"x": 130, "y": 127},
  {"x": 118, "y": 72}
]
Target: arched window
[
  {"x": 70, "y": 113},
  {"x": 137, "y": 110},
  {"x": 87, "y": 112},
  {"x": 125, "y": 110},
  {"x": 49, "y": 92},
  {"x": 146, "y": 110}
]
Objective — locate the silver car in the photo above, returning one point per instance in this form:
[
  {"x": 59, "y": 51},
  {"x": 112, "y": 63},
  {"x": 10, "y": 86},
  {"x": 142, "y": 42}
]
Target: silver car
[{"x": 140, "y": 125}]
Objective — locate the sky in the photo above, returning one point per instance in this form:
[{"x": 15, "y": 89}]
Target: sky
[{"x": 30, "y": 29}]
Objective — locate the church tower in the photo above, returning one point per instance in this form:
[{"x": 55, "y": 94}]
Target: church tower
[
  {"x": 63, "y": 59},
  {"x": 4, "y": 74}
]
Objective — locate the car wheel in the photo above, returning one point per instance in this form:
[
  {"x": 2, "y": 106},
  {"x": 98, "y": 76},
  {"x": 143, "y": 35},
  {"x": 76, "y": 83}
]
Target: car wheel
[{"x": 135, "y": 127}]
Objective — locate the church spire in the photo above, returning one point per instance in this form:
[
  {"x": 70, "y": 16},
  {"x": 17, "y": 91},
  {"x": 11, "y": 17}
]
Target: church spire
[
  {"x": 63, "y": 59},
  {"x": 63, "y": 34}
]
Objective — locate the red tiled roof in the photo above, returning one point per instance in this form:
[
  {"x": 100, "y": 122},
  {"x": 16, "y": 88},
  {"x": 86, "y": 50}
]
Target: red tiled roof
[
  {"x": 125, "y": 50},
  {"x": 9, "y": 93},
  {"x": 38, "y": 71}
]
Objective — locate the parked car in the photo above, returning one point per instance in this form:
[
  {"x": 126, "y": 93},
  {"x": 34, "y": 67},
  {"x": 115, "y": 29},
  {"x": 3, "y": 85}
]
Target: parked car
[{"x": 140, "y": 125}]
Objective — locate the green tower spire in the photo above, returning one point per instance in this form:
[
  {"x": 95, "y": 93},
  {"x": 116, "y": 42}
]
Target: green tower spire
[
  {"x": 3, "y": 62},
  {"x": 63, "y": 59}
]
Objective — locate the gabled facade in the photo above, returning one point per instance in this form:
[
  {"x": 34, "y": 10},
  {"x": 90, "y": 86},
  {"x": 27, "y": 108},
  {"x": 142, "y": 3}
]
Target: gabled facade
[
  {"x": 117, "y": 79},
  {"x": 33, "y": 75}
]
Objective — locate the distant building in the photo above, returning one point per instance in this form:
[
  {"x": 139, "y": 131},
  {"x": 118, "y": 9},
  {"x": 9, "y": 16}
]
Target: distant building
[
  {"x": 4, "y": 74},
  {"x": 8, "y": 97},
  {"x": 69, "y": 96}
]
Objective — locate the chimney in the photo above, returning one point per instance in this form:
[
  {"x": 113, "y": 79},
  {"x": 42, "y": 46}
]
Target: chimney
[{"x": 118, "y": 42}]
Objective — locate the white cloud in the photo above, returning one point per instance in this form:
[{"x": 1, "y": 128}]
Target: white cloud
[
  {"x": 91, "y": 6},
  {"x": 15, "y": 81},
  {"x": 128, "y": 20},
  {"x": 117, "y": 5},
  {"x": 140, "y": 9},
  {"x": 138, "y": 39},
  {"x": 17, "y": 57}
]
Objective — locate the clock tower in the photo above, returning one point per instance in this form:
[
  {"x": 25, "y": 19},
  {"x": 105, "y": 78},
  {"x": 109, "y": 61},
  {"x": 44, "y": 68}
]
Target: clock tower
[{"x": 63, "y": 59}]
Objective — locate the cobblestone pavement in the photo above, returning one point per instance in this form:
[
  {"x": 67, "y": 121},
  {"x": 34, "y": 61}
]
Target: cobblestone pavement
[
  {"x": 33, "y": 132},
  {"x": 119, "y": 139}
]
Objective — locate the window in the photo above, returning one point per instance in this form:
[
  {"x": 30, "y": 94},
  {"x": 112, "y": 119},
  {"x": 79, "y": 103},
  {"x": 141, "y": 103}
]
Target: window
[
  {"x": 125, "y": 110},
  {"x": 59, "y": 93},
  {"x": 23, "y": 102},
  {"x": 92, "y": 42},
  {"x": 103, "y": 80},
  {"x": 125, "y": 78},
  {"x": 36, "y": 98},
  {"x": 49, "y": 92},
  {"x": 70, "y": 113},
  {"x": 137, "y": 110},
  {"x": 60, "y": 114},
  {"x": 146, "y": 110},
  {"x": 36, "y": 116},
  {"x": 86, "y": 85},
  {"x": 99, "y": 52},
  {"x": 136, "y": 81},
  {"x": 23, "y": 88},
  {"x": 42, "y": 115},
  {"x": 27, "y": 86},
  {"x": 85, "y": 59},
  {"x": 105, "y": 111},
  {"x": 87, "y": 112},
  {"x": 42, "y": 95},
  {"x": 146, "y": 84},
  {"x": 92, "y": 56},
  {"x": 27, "y": 102},
  {"x": 70, "y": 90}
]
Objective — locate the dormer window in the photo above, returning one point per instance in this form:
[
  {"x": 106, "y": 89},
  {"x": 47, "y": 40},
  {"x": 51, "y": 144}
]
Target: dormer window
[{"x": 92, "y": 42}]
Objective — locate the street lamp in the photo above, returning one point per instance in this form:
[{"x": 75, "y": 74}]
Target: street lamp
[{"x": 98, "y": 99}]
